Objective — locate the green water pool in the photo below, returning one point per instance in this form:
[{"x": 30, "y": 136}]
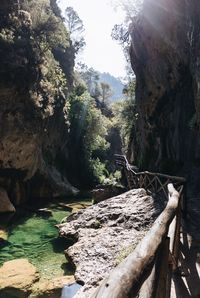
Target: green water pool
[{"x": 36, "y": 238}]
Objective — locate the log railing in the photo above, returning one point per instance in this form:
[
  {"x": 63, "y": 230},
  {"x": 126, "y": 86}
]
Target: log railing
[
  {"x": 147, "y": 271},
  {"x": 155, "y": 183}
]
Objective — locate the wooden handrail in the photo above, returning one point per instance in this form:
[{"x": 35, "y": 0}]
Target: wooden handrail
[
  {"x": 127, "y": 278},
  {"x": 154, "y": 182},
  {"x": 176, "y": 178},
  {"x": 123, "y": 161}
]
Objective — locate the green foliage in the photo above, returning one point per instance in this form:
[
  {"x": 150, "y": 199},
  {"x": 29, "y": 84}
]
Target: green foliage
[
  {"x": 98, "y": 89},
  {"x": 120, "y": 33},
  {"x": 55, "y": 8},
  {"x": 106, "y": 92},
  {"x": 74, "y": 23},
  {"x": 40, "y": 40},
  {"x": 99, "y": 170},
  {"x": 112, "y": 178},
  {"x": 116, "y": 85},
  {"x": 88, "y": 130},
  {"x": 91, "y": 78},
  {"x": 88, "y": 121},
  {"x": 48, "y": 29},
  {"x": 51, "y": 88},
  {"x": 97, "y": 145},
  {"x": 125, "y": 114},
  {"x": 44, "y": 31}
]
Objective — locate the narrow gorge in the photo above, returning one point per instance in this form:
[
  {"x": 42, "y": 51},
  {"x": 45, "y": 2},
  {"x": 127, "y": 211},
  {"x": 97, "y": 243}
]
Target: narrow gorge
[{"x": 68, "y": 214}]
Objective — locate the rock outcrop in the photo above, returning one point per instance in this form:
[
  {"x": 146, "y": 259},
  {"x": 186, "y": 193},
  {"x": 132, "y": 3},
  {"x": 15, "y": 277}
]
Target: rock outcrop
[
  {"x": 17, "y": 278},
  {"x": 33, "y": 99},
  {"x": 165, "y": 58},
  {"x": 5, "y": 204},
  {"x": 106, "y": 233}
]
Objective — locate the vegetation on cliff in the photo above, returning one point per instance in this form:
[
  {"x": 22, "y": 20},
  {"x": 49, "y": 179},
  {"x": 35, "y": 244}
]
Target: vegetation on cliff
[
  {"x": 55, "y": 127},
  {"x": 36, "y": 76}
]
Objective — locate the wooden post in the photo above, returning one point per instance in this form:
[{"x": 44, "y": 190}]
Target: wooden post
[
  {"x": 184, "y": 201},
  {"x": 176, "y": 246},
  {"x": 147, "y": 289},
  {"x": 169, "y": 281},
  {"x": 161, "y": 270}
]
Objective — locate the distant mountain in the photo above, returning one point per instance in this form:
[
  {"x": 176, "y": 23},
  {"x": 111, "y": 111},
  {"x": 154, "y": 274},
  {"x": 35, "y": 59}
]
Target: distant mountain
[{"x": 115, "y": 83}]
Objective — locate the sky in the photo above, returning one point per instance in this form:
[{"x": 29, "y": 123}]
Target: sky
[{"x": 101, "y": 52}]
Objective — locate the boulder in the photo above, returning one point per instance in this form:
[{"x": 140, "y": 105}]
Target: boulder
[
  {"x": 5, "y": 204},
  {"x": 16, "y": 278},
  {"x": 106, "y": 233},
  {"x": 105, "y": 192},
  {"x": 52, "y": 288}
]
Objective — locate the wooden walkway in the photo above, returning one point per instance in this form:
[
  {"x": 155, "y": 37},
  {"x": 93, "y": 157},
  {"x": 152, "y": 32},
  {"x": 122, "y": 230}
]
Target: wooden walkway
[{"x": 147, "y": 271}]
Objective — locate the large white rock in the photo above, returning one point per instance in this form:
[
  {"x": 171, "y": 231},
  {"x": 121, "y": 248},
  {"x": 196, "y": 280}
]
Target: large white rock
[{"x": 106, "y": 233}]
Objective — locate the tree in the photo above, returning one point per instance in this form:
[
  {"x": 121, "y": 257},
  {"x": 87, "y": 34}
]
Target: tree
[
  {"x": 48, "y": 30},
  {"x": 74, "y": 23},
  {"x": 120, "y": 33},
  {"x": 125, "y": 114},
  {"x": 131, "y": 8},
  {"x": 75, "y": 27},
  {"x": 106, "y": 92},
  {"x": 90, "y": 77},
  {"x": 56, "y": 9}
]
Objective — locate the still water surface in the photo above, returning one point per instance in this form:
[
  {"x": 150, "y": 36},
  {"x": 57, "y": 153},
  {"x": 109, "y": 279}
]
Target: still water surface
[{"x": 35, "y": 237}]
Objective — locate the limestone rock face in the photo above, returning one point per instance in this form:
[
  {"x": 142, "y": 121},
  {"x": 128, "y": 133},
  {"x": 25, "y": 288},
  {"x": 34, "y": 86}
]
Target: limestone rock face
[
  {"x": 106, "y": 233},
  {"x": 17, "y": 278},
  {"x": 33, "y": 125},
  {"x": 5, "y": 204},
  {"x": 165, "y": 58}
]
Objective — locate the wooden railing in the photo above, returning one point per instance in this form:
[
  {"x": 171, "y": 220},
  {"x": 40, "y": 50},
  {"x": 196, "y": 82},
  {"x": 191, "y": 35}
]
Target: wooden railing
[
  {"x": 147, "y": 271},
  {"x": 155, "y": 183}
]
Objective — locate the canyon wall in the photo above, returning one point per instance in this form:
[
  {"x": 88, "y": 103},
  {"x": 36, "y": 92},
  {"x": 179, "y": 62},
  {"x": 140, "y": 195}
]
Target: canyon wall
[
  {"x": 36, "y": 75},
  {"x": 166, "y": 60}
]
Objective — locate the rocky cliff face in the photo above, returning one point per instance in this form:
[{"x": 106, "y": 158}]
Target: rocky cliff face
[
  {"x": 165, "y": 58},
  {"x": 33, "y": 99}
]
